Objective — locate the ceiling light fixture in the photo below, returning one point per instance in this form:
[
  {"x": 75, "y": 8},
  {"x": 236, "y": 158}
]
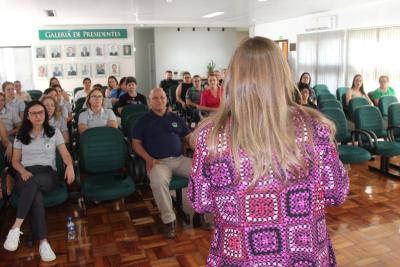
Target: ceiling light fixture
[
  {"x": 262, "y": 0},
  {"x": 215, "y": 14},
  {"x": 168, "y": 1},
  {"x": 50, "y": 12}
]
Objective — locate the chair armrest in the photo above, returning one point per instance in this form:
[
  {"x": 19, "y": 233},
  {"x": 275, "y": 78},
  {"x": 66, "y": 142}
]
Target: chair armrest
[
  {"x": 390, "y": 132},
  {"x": 136, "y": 165},
  {"x": 358, "y": 133}
]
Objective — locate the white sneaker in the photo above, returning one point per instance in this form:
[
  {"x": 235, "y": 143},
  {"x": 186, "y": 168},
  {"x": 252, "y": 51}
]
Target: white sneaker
[
  {"x": 12, "y": 240},
  {"x": 46, "y": 253}
]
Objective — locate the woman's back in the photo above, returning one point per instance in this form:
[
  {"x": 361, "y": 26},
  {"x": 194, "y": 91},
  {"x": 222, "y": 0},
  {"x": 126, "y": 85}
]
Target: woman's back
[{"x": 282, "y": 224}]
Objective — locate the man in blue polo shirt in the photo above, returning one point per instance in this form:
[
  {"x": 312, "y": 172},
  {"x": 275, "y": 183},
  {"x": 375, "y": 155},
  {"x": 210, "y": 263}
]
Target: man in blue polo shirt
[{"x": 157, "y": 138}]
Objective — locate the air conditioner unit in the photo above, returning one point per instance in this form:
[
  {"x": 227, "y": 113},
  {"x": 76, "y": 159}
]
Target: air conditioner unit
[{"x": 320, "y": 23}]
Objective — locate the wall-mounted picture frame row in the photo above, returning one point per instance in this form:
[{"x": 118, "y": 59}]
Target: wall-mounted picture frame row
[
  {"x": 82, "y": 51},
  {"x": 77, "y": 70}
]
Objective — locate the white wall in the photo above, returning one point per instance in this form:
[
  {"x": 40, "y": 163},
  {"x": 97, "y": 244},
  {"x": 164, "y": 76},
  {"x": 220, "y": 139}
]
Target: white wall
[
  {"x": 143, "y": 37},
  {"x": 380, "y": 13},
  {"x": 191, "y": 51}
]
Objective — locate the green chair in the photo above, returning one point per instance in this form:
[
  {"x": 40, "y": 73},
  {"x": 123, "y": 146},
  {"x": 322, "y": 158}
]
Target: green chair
[
  {"x": 172, "y": 96},
  {"x": 369, "y": 123},
  {"x": 77, "y": 89},
  {"x": 79, "y": 104},
  {"x": 341, "y": 93},
  {"x": 356, "y": 103},
  {"x": 384, "y": 103},
  {"x": 102, "y": 155},
  {"x": 348, "y": 154},
  {"x": 322, "y": 92},
  {"x": 320, "y": 87},
  {"x": 324, "y": 97},
  {"x": 129, "y": 110},
  {"x": 129, "y": 123},
  {"x": 35, "y": 94},
  {"x": 394, "y": 122},
  {"x": 329, "y": 104}
]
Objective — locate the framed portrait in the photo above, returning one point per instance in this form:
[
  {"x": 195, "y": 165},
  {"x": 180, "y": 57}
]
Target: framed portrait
[
  {"x": 100, "y": 69},
  {"x": 71, "y": 70},
  {"x": 85, "y": 70},
  {"x": 55, "y": 52},
  {"x": 42, "y": 71},
  {"x": 84, "y": 51},
  {"x": 113, "y": 50},
  {"x": 56, "y": 70},
  {"x": 114, "y": 69},
  {"x": 98, "y": 50},
  {"x": 70, "y": 51},
  {"x": 40, "y": 52},
  {"x": 127, "y": 50}
]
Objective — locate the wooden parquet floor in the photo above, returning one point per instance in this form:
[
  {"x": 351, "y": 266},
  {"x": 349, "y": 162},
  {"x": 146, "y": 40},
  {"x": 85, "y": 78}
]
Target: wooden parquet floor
[{"x": 365, "y": 231}]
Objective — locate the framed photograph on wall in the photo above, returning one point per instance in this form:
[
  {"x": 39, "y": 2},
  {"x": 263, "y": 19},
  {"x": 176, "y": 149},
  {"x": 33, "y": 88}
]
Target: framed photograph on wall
[
  {"x": 100, "y": 69},
  {"x": 85, "y": 70},
  {"x": 127, "y": 50},
  {"x": 71, "y": 70},
  {"x": 40, "y": 52},
  {"x": 70, "y": 51},
  {"x": 55, "y": 52},
  {"x": 84, "y": 51},
  {"x": 56, "y": 70},
  {"x": 98, "y": 50},
  {"x": 42, "y": 71},
  {"x": 113, "y": 50},
  {"x": 114, "y": 69}
]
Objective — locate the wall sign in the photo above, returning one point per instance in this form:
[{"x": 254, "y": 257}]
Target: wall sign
[{"x": 83, "y": 34}]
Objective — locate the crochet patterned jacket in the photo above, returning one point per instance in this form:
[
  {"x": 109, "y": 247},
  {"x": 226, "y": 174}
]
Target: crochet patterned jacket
[{"x": 274, "y": 224}]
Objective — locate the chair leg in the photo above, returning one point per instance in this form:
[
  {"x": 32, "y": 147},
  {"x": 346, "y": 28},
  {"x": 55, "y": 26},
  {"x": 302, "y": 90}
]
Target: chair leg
[
  {"x": 179, "y": 207},
  {"x": 385, "y": 168}
]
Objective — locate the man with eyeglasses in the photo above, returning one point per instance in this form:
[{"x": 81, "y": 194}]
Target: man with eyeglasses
[{"x": 157, "y": 138}]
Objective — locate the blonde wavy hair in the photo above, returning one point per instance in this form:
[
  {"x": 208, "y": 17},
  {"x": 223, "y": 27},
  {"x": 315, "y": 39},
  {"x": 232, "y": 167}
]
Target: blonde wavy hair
[
  {"x": 257, "y": 109},
  {"x": 57, "y": 109}
]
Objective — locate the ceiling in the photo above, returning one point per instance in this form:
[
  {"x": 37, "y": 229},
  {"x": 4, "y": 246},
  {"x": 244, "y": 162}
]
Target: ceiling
[{"x": 238, "y": 13}]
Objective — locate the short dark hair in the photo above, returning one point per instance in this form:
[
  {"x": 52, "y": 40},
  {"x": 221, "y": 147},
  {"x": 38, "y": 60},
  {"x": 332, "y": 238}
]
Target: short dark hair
[
  {"x": 16, "y": 81},
  {"x": 196, "y": 76},
  {"x": 4, "y": 85},
  {"x": 97, "y": 85},
  {"x": 186, "y": 73},
  {"x": 49, "y": 90},
  {"x": 130, "y": 79},
  {"x": 123, "y": 80},
  {"x": 86, "y": 79},
  {"x": 168, "y": 71}
]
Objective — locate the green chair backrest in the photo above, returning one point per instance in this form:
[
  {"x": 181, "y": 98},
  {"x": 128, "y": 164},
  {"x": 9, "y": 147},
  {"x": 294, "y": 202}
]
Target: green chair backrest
[
  {"x": 320, "y": 86},
  {"x": 337, "y": 116},
  {"x": 356, "y": 103},
  {"x": 330, "y": 104},
  {"x": 385, "y": 102},
  {"x": 79, "y": 104},
  {"x": 102, "y": 150},
  {"x": 59, "y": 165},
  {"x": 394, "y": 117},
  {"x": 369, "y": 118},
  {"x": 77, "y": 89},
  {"x": 130, "y": 123},
  {"x": 325, "y": 97},
  {"x": 131, "y": 109},
  {"x": 35, "y": 94},
  {"x": 322, "y": 92},
  {"x": 340, "y": 93}
]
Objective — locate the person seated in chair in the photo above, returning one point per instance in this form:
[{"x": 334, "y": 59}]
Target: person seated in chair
[
  {"x": 211, "y": 97},
  {"x": 168, "y": 82},
  {"x": 132, "y": 97},
  {"x": 53, "y": 93},
  {"x": 12, "y": 101},
  {"x": 356, "y": 90},
  {"x": 87, "y": 83},
  {"x": 24, "y": 96},
  {"x": 34, "y": 160},
  {"x": 96, "y": 115},
  {"x": 55, "y": 118},
  {"x": 157, "y": 138},
  {"x": 383, "y": 90},
  {"x": 9, "y": 117},
  {"x": 183, "y": 88},
  {"x": 193, "y": 96}
]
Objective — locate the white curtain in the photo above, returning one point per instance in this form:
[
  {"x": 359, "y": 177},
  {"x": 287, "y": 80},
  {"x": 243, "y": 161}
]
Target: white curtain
[{"x": 16, "y": 64}]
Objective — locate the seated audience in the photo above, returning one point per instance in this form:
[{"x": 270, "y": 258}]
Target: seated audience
[
  {"x": 54, "y": 81},
  {"x": 87, "y": 83},
  {"x": 183, "y": 88},
  {"x": 218, "y": 74},
  {"x": 6, "y": 149},
  {"x": 211, "y": 97},
  {"x": 193, "y": 96},
  {"x": 305, "y": 98},
  {"x": 112, "y": 91},
  {"x": 13, "y": 102},
  {"x": 157, "y": 138},
  {"x": 62, "y": 109},
  {"x": 9, "y": 117},
  {"x": 356, "y": 90},
  {"x": 132, "y": 97},
  {"x": 34, "y": 159},
  {"x": 64, "y": 105},
  {"x": 122, "y": 86},
  {"x": 168, "y": 82},
  {"x": 305, "y": 82},
  {"x": 383, "y": 90},
  {"x": 96, "y": 115},
  {"x": 24, "y": 96},
  {"x": 55, "y": 118}
]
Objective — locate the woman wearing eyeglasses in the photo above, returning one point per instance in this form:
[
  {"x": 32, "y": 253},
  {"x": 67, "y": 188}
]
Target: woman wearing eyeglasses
[
  {"x": 34, "y": 160},
  {"x": 96, "y": 115}
]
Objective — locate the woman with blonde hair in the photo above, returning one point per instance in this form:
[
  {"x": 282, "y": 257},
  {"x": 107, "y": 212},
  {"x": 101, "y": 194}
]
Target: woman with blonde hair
[
  {"x": 266, "y": 167},
  {"x": 56, "y": 119}
]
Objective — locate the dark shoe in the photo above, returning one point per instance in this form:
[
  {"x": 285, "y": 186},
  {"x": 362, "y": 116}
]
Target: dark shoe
[
  {"x": 170, "y": 230},
  {"x": 200, "y": 222}
]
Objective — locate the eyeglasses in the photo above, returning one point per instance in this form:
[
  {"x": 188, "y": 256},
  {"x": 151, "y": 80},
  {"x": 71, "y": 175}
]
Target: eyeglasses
[
  {"x": 158, "y": 98},
  {"x": 96, "y": 96},
  {"x": 36, "y": 113}
]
